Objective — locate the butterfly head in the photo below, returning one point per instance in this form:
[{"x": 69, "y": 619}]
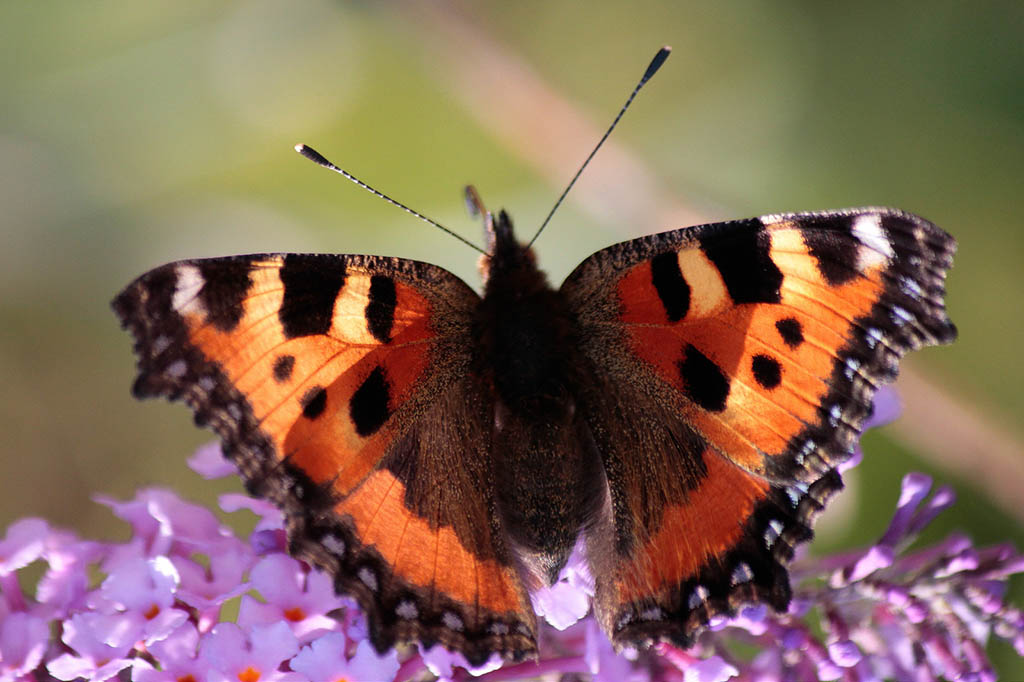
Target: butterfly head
[{"x": 505, "y": 253}]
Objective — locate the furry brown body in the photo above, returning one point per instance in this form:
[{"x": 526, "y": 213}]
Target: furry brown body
[{"x": 549, "y": 474}]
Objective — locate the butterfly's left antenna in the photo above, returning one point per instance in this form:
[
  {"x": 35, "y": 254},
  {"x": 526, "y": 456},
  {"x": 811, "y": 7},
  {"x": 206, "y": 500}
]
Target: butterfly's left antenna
[
  {"x": 652, "y": 69},
  {"x": 319, "y": 159}
]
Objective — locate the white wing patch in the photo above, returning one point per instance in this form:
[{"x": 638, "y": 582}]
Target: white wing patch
[
  {"x": 875, "y": 247},
  {"x": 186, "y": 290}
]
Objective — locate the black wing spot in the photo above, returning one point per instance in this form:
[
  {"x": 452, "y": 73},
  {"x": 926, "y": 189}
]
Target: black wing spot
[
  {"x": 670, "y": 284},
  {"x": 767, "y": 371},
  {"x": 311, "y": 286},
  {"x": 225, "y": 285},
  {"x": 742, "y": 253},
  {"x": 791, "y": 331},
  {"x": 703, "y": 381},
  {"x": 834, "y": 248},
  {"x": 283, "y": 367},
  {"x": 314, "y": 402},
  {"x": 369, "y": 404},
  {"x": 380, "y": 311}
]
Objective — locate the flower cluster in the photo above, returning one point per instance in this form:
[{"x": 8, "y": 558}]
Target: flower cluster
[
  {"x": 185, "y": 600},
  {"x": 884, "y": 613},
  {"x": 157, "y": 611}
]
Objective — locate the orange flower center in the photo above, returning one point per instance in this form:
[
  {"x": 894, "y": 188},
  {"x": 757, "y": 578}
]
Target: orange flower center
[{"x": 249, "y": 675}]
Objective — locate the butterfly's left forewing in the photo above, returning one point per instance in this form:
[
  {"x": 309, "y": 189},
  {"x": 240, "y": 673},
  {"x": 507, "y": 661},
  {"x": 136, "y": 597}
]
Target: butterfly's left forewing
[
  {"x": 340, "y": 387},
  {"x": 734, "y": 365}
]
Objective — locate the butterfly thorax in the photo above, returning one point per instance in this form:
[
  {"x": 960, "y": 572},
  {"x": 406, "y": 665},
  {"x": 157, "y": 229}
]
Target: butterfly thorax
[
  {"x": 526, "y": 332},
  {"x": 528, "y": 355}
]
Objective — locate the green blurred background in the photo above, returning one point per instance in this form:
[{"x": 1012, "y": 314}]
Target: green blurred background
[{"x": 138, "y": 133}]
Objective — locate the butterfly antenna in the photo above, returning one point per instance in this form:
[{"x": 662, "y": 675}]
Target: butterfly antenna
[
  {"x": 652, "y": 68},
  {"x": 319, "y": 159}
]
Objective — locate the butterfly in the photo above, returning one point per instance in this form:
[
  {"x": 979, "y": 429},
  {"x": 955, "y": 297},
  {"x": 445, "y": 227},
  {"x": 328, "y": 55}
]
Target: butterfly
[{"x": 681, "y": 403}]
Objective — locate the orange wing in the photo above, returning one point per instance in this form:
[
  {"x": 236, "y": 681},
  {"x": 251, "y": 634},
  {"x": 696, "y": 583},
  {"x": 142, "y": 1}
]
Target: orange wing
[
  {"x": 340, "y": 387},
  {"x": 741, "y": 360}
]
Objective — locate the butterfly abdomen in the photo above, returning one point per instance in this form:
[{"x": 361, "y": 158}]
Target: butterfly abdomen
[{"x": 528, "y": 354}]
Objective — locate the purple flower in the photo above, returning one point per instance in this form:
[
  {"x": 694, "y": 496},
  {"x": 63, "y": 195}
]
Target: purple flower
[
  {"x": 22, "y": 544},
  {"x": 710, "y": 669},
  {"x": 695, "y": 669},
  {"x": 914, "y": 489},
  {"x": 324, "y": 660},
  {"x": 568, "y": 599},
  {"x": 271, "y": 518},
  {"x": 143, "y": 590},
  {"x": 292, "y": 595},
  {"x": 64, "y": 586},
  {"x": 844, "y": 653},
  {"x": 164, "y": 524},
  {"x": 177, "y": 655},
  {"x": 885, "y": 408},
  {"x": 209, "y": 462},
  {"x": 23, "y": 640},
  {"x": 205, "y": 588},
  {"x": 894, "y": 614},
  {"x": 442, "y": 663},
  {"x": 256, "y": 655},
  {"x": 604, "y": 663},
  {"x": 101, "y": 644}
]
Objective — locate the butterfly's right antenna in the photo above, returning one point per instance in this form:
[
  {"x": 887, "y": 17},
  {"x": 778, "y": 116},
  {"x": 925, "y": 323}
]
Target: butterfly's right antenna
[
  {"x": 319, "y": 159},
  {"x": 652, "y": 68}
]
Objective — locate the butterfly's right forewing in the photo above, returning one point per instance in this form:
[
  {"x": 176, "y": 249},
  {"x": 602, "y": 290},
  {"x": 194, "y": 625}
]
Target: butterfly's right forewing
[{"x": 734, "y": 365}]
